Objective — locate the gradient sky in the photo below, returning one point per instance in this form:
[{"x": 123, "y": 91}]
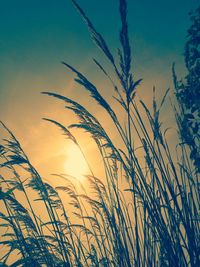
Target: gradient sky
[{"x": 37, "y": 35}]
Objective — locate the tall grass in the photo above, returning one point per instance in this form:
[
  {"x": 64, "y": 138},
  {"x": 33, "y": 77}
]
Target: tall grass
[{"x": 152, "y": 220}]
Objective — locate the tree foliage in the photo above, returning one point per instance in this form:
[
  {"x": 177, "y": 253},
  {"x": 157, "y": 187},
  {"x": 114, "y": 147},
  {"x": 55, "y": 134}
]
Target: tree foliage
[{"x": 188, "y": 91}]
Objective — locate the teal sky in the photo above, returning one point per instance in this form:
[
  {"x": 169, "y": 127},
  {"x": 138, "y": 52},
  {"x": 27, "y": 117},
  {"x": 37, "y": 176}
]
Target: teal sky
[{"x": 35, "y": 36}]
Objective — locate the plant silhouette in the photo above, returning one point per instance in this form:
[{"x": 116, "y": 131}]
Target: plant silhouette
[{"x": 150, "y": 219}]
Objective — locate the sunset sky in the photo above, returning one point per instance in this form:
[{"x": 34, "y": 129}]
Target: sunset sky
[{"x": 37, "y": 35}]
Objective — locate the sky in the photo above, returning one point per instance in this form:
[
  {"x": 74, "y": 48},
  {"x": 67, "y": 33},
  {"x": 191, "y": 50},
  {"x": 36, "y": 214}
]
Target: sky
[{"x": 37, "y": 35}]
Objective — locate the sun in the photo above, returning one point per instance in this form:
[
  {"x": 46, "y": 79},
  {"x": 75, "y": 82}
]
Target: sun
[{"x": 75, "y": 163}]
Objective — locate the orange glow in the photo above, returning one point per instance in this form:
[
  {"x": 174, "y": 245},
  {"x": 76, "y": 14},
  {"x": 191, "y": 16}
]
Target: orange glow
[{"x": 75, "y": 163}]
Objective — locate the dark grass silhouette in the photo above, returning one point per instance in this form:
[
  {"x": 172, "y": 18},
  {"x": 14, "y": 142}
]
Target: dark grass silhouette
[{"x": 152, "y": 221}]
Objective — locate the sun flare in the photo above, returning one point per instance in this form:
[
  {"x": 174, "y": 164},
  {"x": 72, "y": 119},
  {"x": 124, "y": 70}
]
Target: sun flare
[{"x": 75, "y": 163}]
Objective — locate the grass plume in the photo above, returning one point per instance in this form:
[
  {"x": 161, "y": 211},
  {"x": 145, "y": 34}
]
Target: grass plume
[{"x": 143, "y": 212}]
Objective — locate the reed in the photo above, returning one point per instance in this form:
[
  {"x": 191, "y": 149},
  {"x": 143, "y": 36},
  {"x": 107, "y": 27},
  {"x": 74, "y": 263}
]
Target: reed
[{"x": 152, "y": 220}]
